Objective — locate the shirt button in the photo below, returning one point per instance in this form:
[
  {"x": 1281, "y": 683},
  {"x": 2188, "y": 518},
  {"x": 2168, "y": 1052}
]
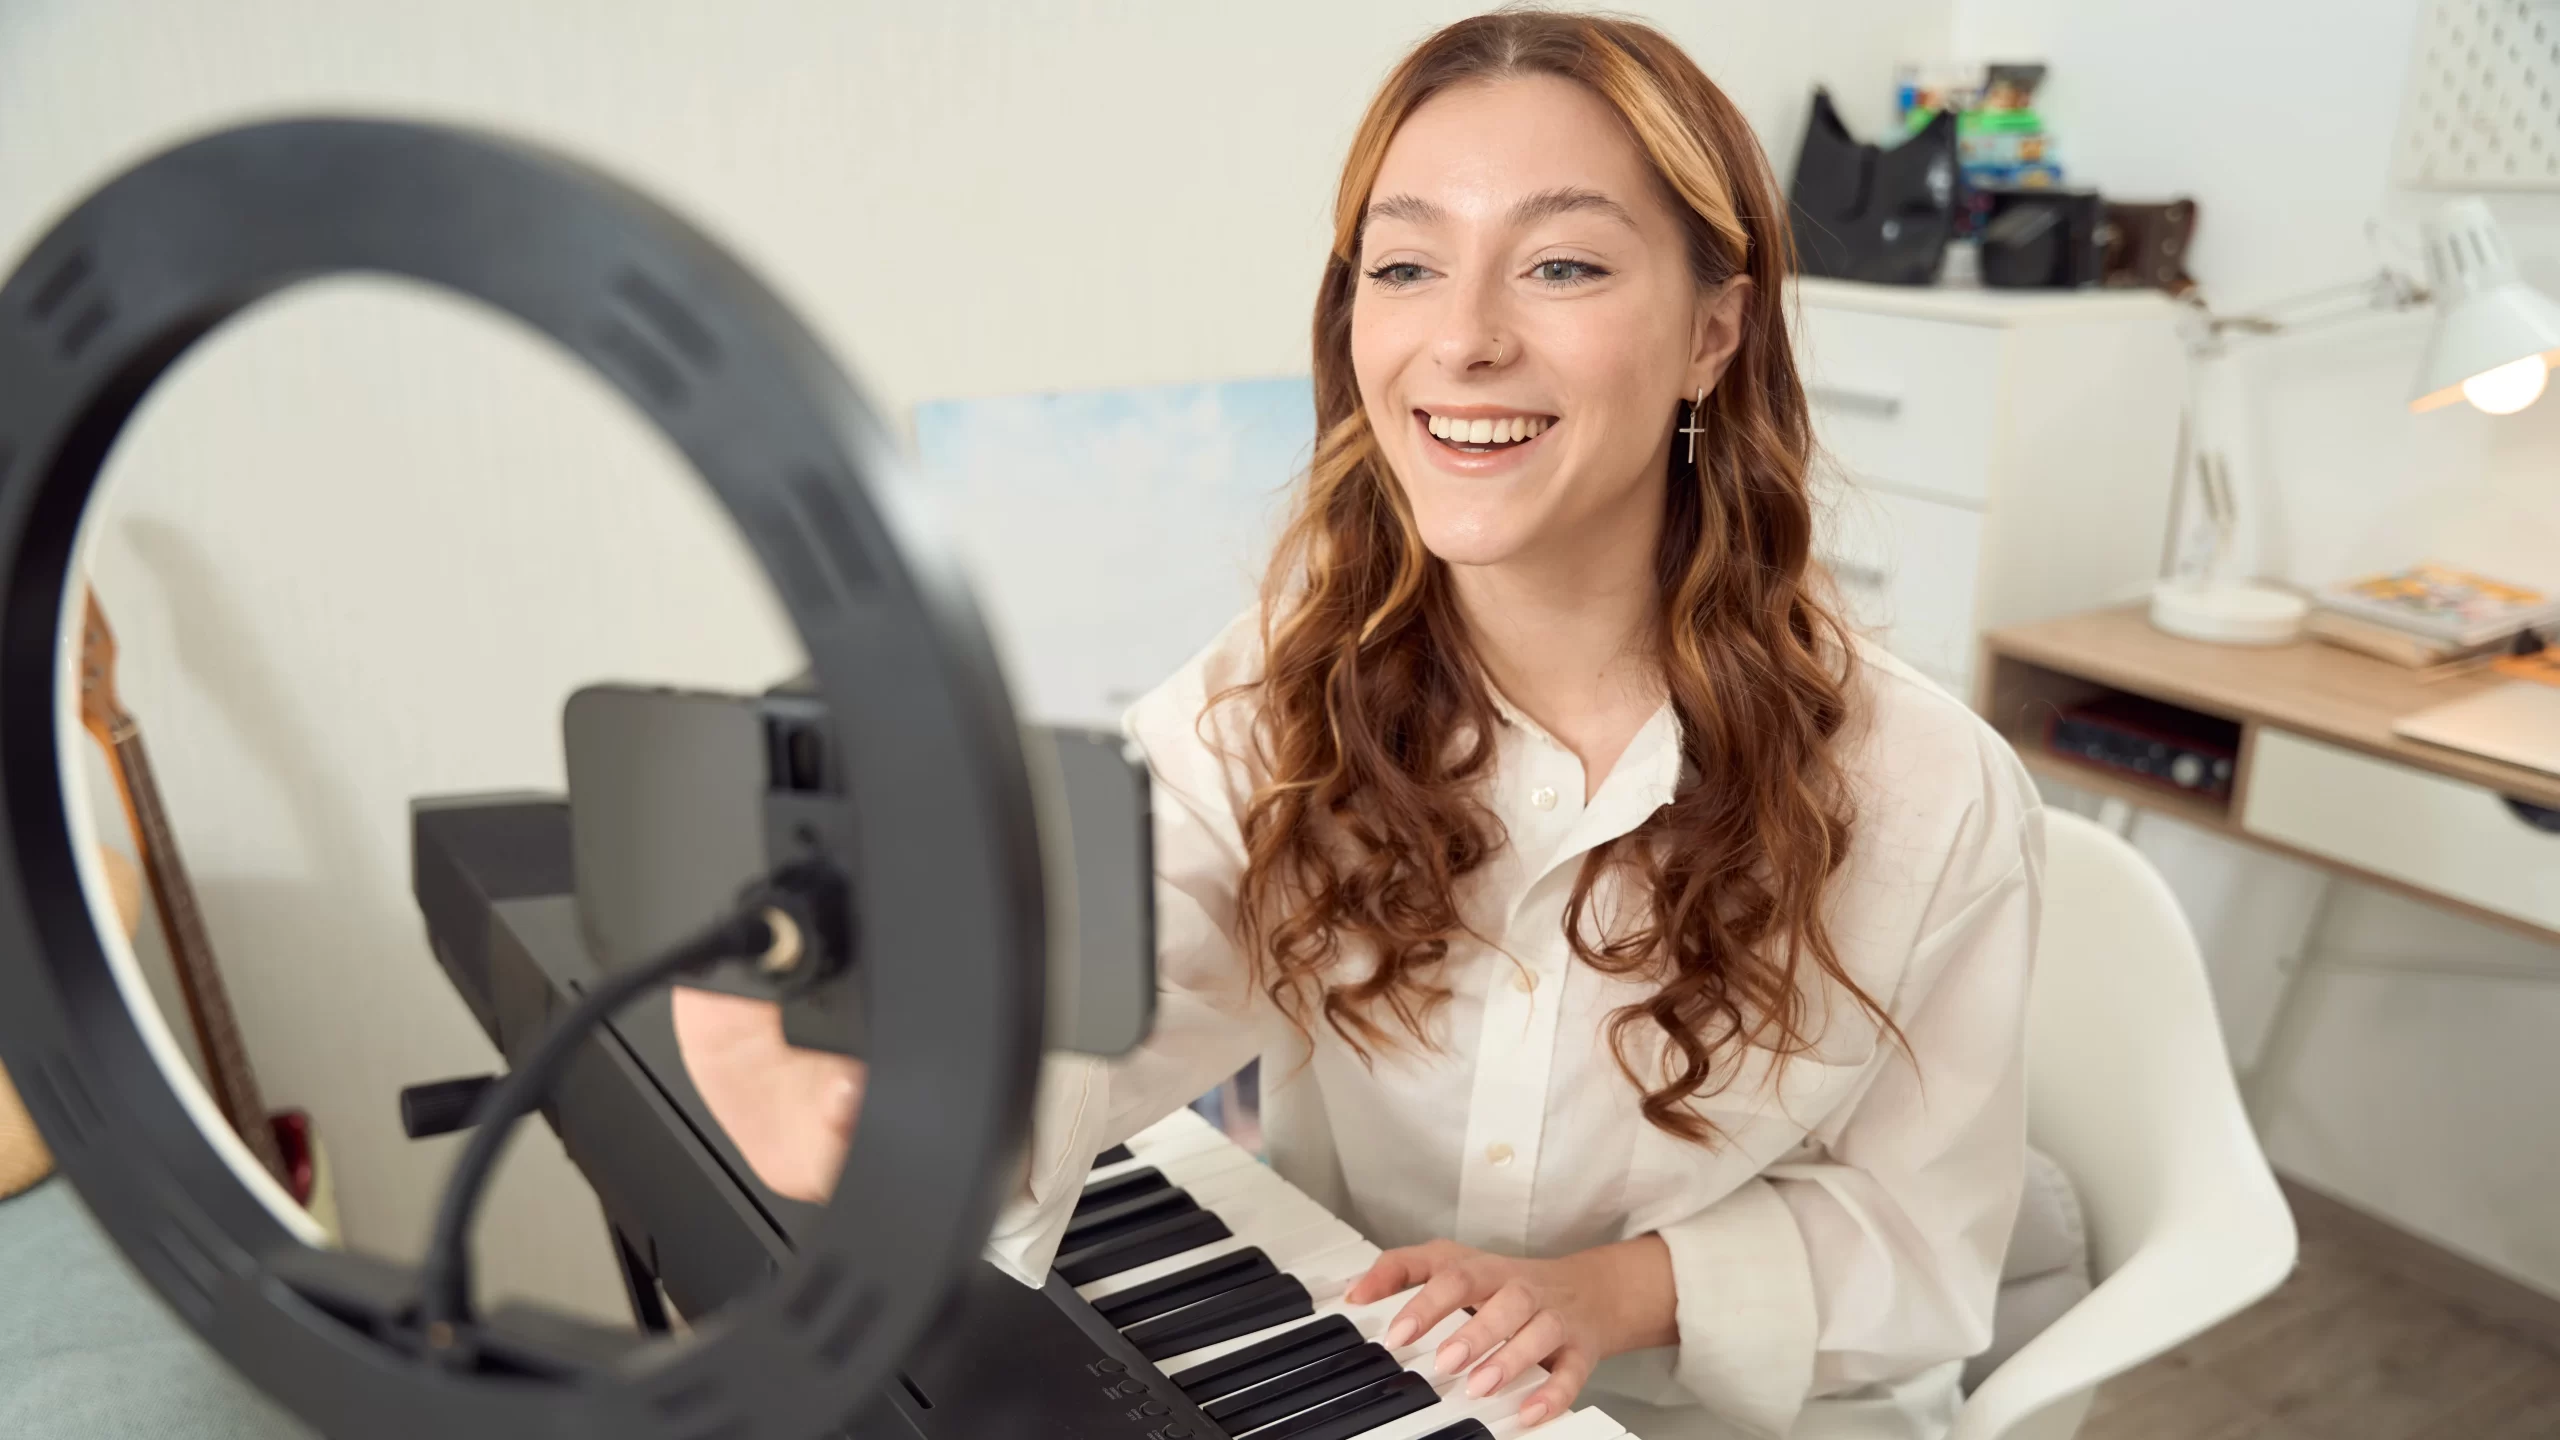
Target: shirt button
[
  {"x": 1497, "y": 1154},
  {"x": 1525, "y": 981},
  {"x": 1544, "y": 797}
]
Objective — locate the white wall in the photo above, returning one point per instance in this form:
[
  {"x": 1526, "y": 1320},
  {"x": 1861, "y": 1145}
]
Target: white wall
[
  {"x": 342, "y": 582},
  {"x": 2415, "y": 1072}
]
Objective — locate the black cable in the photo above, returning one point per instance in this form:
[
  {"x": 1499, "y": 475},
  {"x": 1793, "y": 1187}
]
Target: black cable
[{"x": 445, "y": 1298}]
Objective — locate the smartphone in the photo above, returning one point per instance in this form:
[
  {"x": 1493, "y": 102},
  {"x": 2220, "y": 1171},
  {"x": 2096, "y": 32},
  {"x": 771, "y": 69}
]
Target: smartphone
[{"x": 679, "y": 799}]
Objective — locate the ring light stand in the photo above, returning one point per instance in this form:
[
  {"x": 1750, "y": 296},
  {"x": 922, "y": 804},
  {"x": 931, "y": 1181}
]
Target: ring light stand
[{"x": 945, "y": 863}]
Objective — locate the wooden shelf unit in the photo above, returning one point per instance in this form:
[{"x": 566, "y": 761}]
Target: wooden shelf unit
[{"x": 2303, "y": 692}]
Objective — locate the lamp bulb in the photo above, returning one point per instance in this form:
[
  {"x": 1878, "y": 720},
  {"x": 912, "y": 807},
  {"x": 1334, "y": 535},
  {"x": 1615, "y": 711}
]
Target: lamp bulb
[{"x": 2508, "y": 388}]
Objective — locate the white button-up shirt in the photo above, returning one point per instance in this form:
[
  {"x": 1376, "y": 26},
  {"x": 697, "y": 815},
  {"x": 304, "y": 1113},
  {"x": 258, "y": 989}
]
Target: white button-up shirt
[{"x": 1843, "y": 1237}]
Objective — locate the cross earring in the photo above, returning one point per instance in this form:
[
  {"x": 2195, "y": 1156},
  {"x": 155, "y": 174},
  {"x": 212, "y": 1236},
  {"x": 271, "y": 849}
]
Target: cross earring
[{"x": 1693, "y": 429}]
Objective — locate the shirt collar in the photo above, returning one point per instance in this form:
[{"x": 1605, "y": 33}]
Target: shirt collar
[{"x": 1646, "y": 776}]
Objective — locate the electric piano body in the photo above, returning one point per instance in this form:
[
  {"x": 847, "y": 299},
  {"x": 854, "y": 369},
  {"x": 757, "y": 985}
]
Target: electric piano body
[{"x": 1196, "y": 1295}]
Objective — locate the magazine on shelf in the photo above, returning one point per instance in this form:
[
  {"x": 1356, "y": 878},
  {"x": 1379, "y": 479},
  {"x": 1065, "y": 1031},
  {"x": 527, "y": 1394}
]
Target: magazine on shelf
[{"x": 2451, "y": 606}]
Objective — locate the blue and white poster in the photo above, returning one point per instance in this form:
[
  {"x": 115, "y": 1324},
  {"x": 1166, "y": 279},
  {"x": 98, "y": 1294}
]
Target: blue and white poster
[{"x": 1109, "y": 534}]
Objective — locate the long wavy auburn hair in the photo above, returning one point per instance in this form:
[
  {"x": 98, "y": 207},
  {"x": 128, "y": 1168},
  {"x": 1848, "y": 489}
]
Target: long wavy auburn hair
[{"x": 1367, "y": 814}]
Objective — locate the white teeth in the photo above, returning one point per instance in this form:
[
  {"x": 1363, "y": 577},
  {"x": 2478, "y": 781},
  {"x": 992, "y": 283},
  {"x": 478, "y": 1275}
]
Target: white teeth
[{"x": 1511, "y": 429}]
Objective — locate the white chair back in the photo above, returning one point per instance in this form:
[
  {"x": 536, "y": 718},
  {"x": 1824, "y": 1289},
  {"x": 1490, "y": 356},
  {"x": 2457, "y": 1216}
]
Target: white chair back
[{"x": 2129, "y": 1087}]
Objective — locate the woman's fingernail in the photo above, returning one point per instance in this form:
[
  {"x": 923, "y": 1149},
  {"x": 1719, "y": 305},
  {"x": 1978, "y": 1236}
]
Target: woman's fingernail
[
  {"x": 1533, "y": 1412},
  {"x": 1486, "y": 1380},
  {"x": 1402, "y": 1332},
  {"x": 1453, "y": 1357}
]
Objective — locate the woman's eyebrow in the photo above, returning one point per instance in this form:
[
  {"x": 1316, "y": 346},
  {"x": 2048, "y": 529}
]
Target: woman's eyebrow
[
  {"x": 1412, "y": 209},
  {"x": 1530, "y": 209},
  {"x": 1565, "y": 200}
]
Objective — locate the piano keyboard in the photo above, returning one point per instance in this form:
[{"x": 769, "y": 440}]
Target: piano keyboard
[{"x": 1231, "y": 1280}]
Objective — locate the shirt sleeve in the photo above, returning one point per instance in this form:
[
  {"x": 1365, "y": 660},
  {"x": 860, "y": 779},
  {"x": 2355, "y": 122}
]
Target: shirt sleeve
[
  {"x": 1874, "y": 1252},
  {"x": 1210, "y": 1021}
]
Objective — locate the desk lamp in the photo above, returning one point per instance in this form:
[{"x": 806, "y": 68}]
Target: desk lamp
[{"x": 2494, "y": 342}]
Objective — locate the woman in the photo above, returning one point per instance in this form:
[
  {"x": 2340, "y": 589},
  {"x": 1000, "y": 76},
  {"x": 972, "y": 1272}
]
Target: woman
[{"x": 1637, "y": 948}]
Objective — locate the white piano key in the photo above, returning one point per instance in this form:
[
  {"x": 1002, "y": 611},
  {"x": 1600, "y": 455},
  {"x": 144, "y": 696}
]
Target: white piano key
[
  {"x": 1326, "y": 1275},
  {"x": 1179, "y": 1166},
  {"x": 1325, "y": 1246},
  {"x": 1271, "y": 1190},
  {"x": 1589, "y": 1423},
  {"x": 1185, "y": 1170},
  {"x": 1181, "y": 1124},
  {"x": 1608, "y": 1421},
  {"x": 1173, "y": 1135},
  {"x": 1257, "y": 1202},
  {"x": 1245, "y": 1188},
  {"x": 1173, "y": 1150},
  {"x": 1148, "y": 1151}
]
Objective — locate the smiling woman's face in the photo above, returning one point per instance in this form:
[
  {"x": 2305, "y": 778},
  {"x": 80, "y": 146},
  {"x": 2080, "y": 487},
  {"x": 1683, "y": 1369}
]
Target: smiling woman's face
[{"x": 1527, "y": 323}]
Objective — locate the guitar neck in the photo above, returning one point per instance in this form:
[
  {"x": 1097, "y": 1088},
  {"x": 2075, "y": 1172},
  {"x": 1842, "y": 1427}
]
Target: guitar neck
[{"x": 217, "y": 1028}]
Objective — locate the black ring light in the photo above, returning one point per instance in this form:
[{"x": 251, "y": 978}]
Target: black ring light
[{"x": 946, "y": 861}]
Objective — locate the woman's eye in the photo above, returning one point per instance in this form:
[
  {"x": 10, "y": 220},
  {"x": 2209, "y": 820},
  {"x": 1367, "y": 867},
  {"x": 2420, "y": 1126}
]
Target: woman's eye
[
  {"x": 1396, "y": 275},
  {"x": 1566, "y": 272}
]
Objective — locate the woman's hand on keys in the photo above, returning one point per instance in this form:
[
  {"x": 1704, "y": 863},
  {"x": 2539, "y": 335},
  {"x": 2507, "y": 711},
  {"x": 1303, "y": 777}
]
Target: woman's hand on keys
[{"x": 1567, "y": 1314}]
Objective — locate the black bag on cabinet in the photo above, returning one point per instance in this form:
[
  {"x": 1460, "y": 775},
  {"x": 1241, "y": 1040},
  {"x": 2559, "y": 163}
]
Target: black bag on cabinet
[
  {"x": 2044, "y": 239},
  {"x": 1863, "y": 212}
]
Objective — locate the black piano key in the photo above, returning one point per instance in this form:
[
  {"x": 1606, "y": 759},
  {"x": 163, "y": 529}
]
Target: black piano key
[
  {"x": 1357, "y": 1413},
  {"x": 1113, "y": 1221},
  {"x": 1463, "y": 1430},
  {"x": 1187, "y": 1286},
  {"x": 1304, "y": 1389},
  {"x": 1126, "y": 1187},
  {"x": 1257, "y": 1306},
  {"x": 1266, "y": 1359},
  {"x": 1166, "y": 1237},
  {"x": 1116, "y": 1155}
]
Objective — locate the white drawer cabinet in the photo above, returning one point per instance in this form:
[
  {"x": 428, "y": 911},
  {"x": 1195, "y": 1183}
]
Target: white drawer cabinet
[
  {"x": 1987, "y": 457},
  {"x": 1906, "y": 570},
  {"x": 2432, "y": 832},
  {"x": 1904, "y": 403}
]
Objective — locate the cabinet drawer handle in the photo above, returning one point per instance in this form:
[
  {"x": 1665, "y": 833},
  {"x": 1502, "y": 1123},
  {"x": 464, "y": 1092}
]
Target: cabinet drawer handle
[
  {"x": 2540, "y": 817},
  {"x": 1860, "y": 402},
  {"x": 1864, "y": 577}
]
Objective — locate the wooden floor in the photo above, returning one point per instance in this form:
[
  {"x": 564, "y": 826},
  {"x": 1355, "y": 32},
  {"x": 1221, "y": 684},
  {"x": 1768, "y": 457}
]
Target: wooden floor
[{"x": 2346, "y": 1350}]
